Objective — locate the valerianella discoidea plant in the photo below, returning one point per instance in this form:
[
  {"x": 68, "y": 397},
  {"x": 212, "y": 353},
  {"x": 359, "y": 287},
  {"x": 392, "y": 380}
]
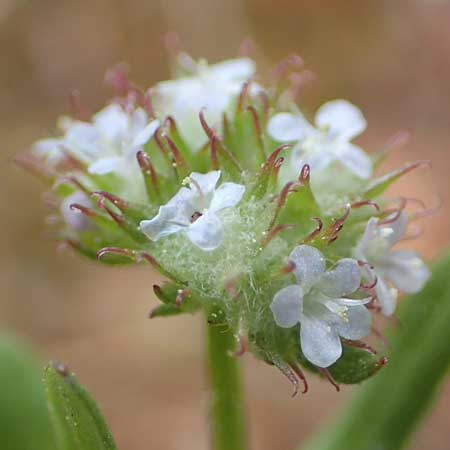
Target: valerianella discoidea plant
[{"x": 267, "y": 222}]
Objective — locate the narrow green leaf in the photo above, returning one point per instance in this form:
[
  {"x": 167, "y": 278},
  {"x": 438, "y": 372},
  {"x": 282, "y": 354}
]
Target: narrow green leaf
[
  {"x": 386, "y": 411},
  {"x": 78, "y": 423},
  {"x": 24, "y": 420}
]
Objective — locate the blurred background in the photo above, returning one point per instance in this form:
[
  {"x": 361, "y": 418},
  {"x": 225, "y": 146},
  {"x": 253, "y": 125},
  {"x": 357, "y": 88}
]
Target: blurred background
[{"x": 392, "y": 58}]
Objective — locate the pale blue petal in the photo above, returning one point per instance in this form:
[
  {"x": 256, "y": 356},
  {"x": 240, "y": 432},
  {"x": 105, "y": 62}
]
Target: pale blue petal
[
  {"x": 286, "y": 306},
  {"x": 226, "y": 196},
  {"x": 206, "y": 232}
]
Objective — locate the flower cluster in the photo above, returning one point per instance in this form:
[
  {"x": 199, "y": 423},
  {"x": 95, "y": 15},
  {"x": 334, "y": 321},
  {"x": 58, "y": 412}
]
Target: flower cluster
[{"x": 263, "y": 220}]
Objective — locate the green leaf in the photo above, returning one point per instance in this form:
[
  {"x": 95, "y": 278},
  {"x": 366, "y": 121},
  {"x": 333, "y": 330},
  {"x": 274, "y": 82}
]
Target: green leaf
[
  {"x": 77, "y": 421},
  {"x": 386, "y": 411},
  {"x": 24, "y": 420}
]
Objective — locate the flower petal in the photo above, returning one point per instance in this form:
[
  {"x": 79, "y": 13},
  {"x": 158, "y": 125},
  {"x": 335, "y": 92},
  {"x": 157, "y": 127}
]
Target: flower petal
[
  {"x": 406, "y": 270},
  {"x": 355, "y": 159},
  {"x": 309, "y": 265},
  {"x": 396, "y": 229},
  {"x": 165, "y": 223},
  {"x": 319, "y": 341},
  {"x": 285, "y": 127},
  {"x": 370, "y": 233},
  {"x": 145, "y": 134},
  {"x": 206, "y": 232},
  {"x": 49, "y": 148},
  {"x": 206, "y": 182},
  {"x": 81, "y": 139},
  {"x": 233, "y": 69},
  {"x": 387, "y": 296},
  {"x": 106, "y": 165},
  {"x": 342, "y": 119},
  {"x": 226, "y": 196},
  {"x": 287, "y": 305},
  {"x": 356, "y": 323},
  {"x": 342, "y": 280},
  {"x": 112, "y": 123}
]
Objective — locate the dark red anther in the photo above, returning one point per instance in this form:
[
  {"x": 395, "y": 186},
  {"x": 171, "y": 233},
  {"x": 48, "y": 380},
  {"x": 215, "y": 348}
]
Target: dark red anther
[
  {"x": 265, "y": 104},
  {"x": 362, "y": 203},
  {"x": 305, "y": 175},
  {"x": 214, "y": 153},
  {"x": 332, "y": 233},
  {"x": 258, "y": 129},
  {"x": 182, "y": 295},
  {"x": 326, "y": 373},
  {"x": 243, "y": 96},
  {"x": 113, "y": 199},
  {"x": 177, "y": 156},
  {"x": 288, "y": 188},
  {"x": 283, "y": 67},
  {"x": 74, "y": 182},
  {"x": 317, "y": 230},
  {"x": 273, "y": 157},
  {"x": 397, "y": 140},
  {"x": 208, "y": 130},
  {"x": 371, "y": 285},
  {"x": 88, "y": 212},
  {"x": 301, "y": 376},
  {"x": 136, "y": 256},
  {"x": 290, "y": 375},
  {"x": 117, "y": 77},
  {"x": 147, "y": 168},
  {"x": 298, "y": 82},
  {"x": 148, "y": 103},
  {"x": 274, "y": 232},
  {"x": 426, "y": 212},
  {"x": 79, "y": 110},
  {"x": 392, "y": 215},
  {"x": 360, "y": 344},
  {"x": 26, "y": 160},
  {"x": 171, "y": 124}
]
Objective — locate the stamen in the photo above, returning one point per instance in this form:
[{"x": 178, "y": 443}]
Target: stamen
[
  {"x": 326, "y": 373},
  {"x": 288, "y": 268},
  {"x": 208, "y": 130},
  {"x": 274, "y": 232},
  {"x": 258, "y": 129},
  {"x": 138, "y": 257},
  {"x": 79, "y": 110},
  {"x": 311, "y": 236},
  {"x": 360, "y": 344},
  {"x": 365, "y": 203},
  {"x": 332, "y": 233},
  {"x": 289, "y": 374},
  {"x": 305, "y": 175},
  {"x": 288, "y": 188},
  {"x": 301, "y": 375}
]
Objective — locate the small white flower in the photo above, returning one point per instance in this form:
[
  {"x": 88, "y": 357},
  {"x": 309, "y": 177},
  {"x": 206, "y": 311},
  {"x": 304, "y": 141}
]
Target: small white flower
[
  {"x": 336, "y": 123},
  {"x": 194, "y": 210},
  {"x": 109, "y": 144},
  {"x": 318, "y": 302},
  {"x": 402, "y": 269},
  {"x": 213, "y": 87}
]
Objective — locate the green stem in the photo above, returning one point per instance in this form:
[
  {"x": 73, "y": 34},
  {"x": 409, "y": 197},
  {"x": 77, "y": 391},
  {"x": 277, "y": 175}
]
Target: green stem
[{"x": 226, "y": 407}]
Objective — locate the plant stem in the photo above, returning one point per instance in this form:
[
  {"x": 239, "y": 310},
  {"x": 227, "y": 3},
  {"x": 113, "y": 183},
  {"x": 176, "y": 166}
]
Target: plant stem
[{"x": 226, "y": 406}]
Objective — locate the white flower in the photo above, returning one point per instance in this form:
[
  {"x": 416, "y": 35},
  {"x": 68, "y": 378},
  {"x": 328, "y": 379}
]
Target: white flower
[
  {"x": 194, "y": 210},
  {"x": 318, "y": 302},
  {"x": 336, "y": 123},
  {"x": 109, "y": 144},
  {"x": 402, "y": 269},
  {"x": 213, "y": 87}
]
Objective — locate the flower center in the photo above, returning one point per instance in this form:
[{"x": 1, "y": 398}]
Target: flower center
[{"x": 196, "y": 216}]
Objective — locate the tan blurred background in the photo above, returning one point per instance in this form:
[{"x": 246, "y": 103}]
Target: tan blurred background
[{"x": 392, "y": 58}]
